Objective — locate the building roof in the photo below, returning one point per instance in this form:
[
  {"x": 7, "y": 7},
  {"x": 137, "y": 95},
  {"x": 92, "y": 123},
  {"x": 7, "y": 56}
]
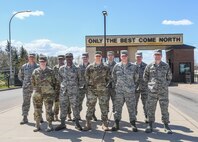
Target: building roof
[{"x": 183, "y": 46}]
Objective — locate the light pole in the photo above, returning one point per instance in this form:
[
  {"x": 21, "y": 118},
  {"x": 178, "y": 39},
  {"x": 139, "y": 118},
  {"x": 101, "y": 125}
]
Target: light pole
[
  {"x": 105, "y": 14},
  {"x": 10, "y": 44}
]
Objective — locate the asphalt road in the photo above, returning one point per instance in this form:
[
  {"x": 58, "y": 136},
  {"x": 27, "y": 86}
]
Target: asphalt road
[
  {"x": 10, "y": 99},
  {"x": 185, "y": 101}
]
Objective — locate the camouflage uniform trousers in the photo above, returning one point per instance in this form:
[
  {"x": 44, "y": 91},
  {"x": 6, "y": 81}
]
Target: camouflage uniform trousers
[
  {"x": 120, "y": 99},
  {"x": 56, "y": 104},
  {"x": 103, "y": 98},
  {"x": 111, "y": 95},
  {"x": 144, "y": 97},
  {"x": 153, "y": 98},
  {"x": 69, "y": 99},
  {"x": 81, "y": 97},
  {"x": 27, "y": 93},
  {"x": 38, "y": 100}
]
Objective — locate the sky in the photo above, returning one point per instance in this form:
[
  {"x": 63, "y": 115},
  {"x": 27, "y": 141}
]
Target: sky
[{"x": 57, "y": 27}]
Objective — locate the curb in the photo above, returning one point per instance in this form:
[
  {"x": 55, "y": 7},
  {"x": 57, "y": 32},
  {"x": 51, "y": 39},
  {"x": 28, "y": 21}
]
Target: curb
[
  {"x": 7, "y": 89},
  {"x": 186, "y": 117}
]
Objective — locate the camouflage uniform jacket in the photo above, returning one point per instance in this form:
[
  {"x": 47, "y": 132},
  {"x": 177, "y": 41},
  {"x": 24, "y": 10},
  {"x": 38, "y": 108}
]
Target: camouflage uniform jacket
[
  {"x": 125, "y": 77},
  {"x": 43, "y": 81},
  {"x": 141, "y": 84},
  {"x": 158, "y": 77},
  {"x": 56, "y": 73},
  {"x": 25, "y": 74},
  {"x": 111, "y": 65},
  {"x": 69, "y": 77},
  {"x": 97, "y": 76},
  {"x": 82, "y": 81}
]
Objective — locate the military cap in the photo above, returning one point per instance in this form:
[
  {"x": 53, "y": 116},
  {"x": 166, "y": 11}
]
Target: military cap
[
  {"x": 85, "y": 54},
  {"x": 123, "y": 52},
  {"x": 98, "y": 53},
  {"x": 110, "y": 53},
  {"x": 158, "y": 51},
  {"x": 68, "y": 55},
  {"x": 138, "y": 54},
  {"x": 31, "y": 54},
  {"x": 61, "y": 56},
  {"x": 43, "y": 58}
]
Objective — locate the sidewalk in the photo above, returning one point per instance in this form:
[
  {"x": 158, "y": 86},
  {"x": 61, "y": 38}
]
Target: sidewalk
[
  {"x": 184, "y": 129},
  {"x": 189, "y": 87}
]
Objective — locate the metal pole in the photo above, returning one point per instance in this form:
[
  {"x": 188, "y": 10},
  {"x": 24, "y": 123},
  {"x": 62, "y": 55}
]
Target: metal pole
[
  {"x": 105, "y": 50},
  {"x": 10, "y": 44}
]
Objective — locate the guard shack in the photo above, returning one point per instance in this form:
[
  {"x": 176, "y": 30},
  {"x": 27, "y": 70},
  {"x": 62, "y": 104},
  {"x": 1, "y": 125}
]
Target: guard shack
[{"x": 179, "y": 56}]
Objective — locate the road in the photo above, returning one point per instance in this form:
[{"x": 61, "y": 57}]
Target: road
[
  {"x": 183, "y": 100},
  {"x": 10, "y": 99}
]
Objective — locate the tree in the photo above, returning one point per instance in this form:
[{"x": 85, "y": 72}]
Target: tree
[{"x": 23, "y": 55}]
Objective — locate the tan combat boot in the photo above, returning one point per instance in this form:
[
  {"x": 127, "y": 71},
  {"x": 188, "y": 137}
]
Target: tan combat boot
[{"x": 37, "y": 126}]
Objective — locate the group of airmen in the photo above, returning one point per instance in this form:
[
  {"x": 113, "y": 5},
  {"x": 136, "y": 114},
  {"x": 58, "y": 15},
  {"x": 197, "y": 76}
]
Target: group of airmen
[{"x": 66, "y": 85}]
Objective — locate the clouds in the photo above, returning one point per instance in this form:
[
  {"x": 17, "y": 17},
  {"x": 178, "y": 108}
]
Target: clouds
[
  {"x": 183, "y": 22},
  {"x": 46, "y": 46},
  {"x": 27, "y": 14}
]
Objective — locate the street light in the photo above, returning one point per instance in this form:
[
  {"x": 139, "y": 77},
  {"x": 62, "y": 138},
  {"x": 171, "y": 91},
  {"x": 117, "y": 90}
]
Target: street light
[
  {"x": 105, "y": 14},
  {"x": 9, "y": 44}
]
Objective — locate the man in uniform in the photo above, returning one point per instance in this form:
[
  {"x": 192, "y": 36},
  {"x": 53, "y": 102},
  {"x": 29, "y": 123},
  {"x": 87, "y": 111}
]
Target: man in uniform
[
  {"x": 158, "y": 76},
  {"x": 69, "y": 76},
  {"x": 61, "y": 59},
  {"x": 44, "y": 85},
  {"x": 125, "y": 75},
  {"x": 111, "y": 88},
  {"x": 141, "y": 86},
  {"x": 97, "y": 78},
  {"x": 24, "y": 76}
]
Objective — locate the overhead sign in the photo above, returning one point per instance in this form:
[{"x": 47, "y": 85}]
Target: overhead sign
[{"x": 133, "y": 40}]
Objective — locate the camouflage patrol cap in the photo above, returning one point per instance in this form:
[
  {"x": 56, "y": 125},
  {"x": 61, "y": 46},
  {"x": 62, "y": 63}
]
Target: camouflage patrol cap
[
  {"x": 86, "y": 54},
  {"x": 98, "y": 53},
  {"x": 110, "y": 53},
  {"x": 31, "y": 55},
  {"x": 61, "y": 56},
  {"x": 138, "y": 54},
  {"x": 43, "y": 58},
  {"x": 68, "y": 55},
  {"x": 157, "y": 51},
  {"x": 124, "y": 52}
]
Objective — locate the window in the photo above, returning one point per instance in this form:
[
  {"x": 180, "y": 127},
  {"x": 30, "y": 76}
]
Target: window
[{"x": 184, "y": 68}]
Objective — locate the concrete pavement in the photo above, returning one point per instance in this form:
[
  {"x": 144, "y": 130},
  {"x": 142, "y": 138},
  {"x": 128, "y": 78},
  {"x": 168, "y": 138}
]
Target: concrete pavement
[{"x": 184, "y": 128}]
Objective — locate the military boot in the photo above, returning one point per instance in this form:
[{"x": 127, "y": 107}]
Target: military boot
[
  {"x": 133, "y": 125},
  {"x": 149, "y": 128},
  {"x": 167, "y": 128},
  {"x": 77, "y": 125},
  {"x": 37, "y": 126},
  {"x": 61, "y": 126},
  {"x": 25, "y": 120},
  {"x": 41, "y": 121},
  {"x": 69, "y": 117},
  {"x": 49, "y": 127},
  {"x": 115, "y": 126},
  {"x": 146, "y": 119},
  {"x": 56, "y": 118},
  {"x": 87, "y": 125},
  {"x": 94, "y": 117},
  {"x": 105, "y": 126}
]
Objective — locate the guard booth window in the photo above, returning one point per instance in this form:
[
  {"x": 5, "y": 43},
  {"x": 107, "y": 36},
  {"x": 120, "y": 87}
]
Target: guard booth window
[{"x": 184, "y": 68}]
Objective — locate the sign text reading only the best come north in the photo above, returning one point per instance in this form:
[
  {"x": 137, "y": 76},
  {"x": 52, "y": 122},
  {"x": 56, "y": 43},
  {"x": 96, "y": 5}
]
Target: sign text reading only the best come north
[{"x": 164, "y": 39}]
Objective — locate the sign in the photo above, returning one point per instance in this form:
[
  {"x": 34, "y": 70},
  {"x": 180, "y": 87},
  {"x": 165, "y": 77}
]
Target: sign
[{"x": 135, "y": 40}]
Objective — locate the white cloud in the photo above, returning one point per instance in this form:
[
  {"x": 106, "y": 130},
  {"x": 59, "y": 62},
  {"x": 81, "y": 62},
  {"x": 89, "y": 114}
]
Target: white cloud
[
  {"x": 27, "y": 14},
  {"x": 46, "y": 46},
  {"x": 182, "y": 22}
]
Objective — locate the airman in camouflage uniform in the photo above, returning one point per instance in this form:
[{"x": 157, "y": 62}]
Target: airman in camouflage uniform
[
  {"x": 61, "y": 59},
  {"x": 69, "y": 76},
  {"x": 97, "y": 78},
  {"x": 111, "y": 87},
  {"x": 24, "y": 75},
  {"x": 125, "y": 75},
  {"x": 158, "y": 76},
  {"x": 141, "y": 86},
  {"x": 44, "y": 83}
]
